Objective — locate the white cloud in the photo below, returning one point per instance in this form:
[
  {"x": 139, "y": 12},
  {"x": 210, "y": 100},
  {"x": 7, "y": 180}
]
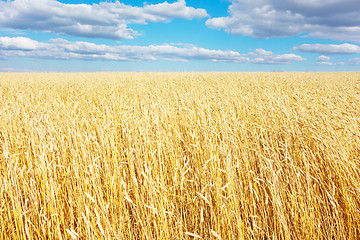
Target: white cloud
[
  {"x": 64, "y": 49},
  {"x": 323, "y": 63},
  {"x": 266, "y": 57},
  {"x": 175, "y": 10},
  {"x": 345, "y": 48},
  {"x": 19, "y": 43},
  {"x": 323, "y": 58},
  {"x": 333, "y": 19},
  {"x": 261, "y": 52},
  {"x": 337, "y": 33},
  {"x": 6, "y": 69},
  {"x": 354, "y": 61},
  {"x": 103, "y": 20}
]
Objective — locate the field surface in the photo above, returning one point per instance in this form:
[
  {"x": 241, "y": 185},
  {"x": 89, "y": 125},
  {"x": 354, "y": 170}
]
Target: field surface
[{"x": 180, "y": 156}]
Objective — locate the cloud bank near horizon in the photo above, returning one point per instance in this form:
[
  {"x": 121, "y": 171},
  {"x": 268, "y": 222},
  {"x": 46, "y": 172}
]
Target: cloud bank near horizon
[{"x": 64, "y": 49}]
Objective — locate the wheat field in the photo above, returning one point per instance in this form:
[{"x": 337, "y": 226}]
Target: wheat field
[{"x": 180, "y": 155}]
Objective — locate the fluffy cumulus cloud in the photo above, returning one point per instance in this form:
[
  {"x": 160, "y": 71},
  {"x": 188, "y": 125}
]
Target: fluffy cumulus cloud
[
  {"x": 19, "y": 43},
  {"x": 64, "y": 49},
  {"x": 345, "y": 48},
  {"x": 103, "y": 20},
  {"x": 332, "y": 19},
  {"x": 323, "y": 58},
  {"x": 266, "y": 57},
  {"x": 324, "y": 63}
]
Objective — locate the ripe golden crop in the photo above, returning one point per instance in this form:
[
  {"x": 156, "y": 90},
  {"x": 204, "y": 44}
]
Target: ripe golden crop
[{"x": 180, "y": 156}]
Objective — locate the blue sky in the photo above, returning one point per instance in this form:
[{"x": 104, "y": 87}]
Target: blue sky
[{"x": 180, "y": 35}]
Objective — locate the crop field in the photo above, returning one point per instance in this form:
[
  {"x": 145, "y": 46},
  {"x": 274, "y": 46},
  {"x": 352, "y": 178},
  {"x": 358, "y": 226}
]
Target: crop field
[{"x": 180, "y": 155}]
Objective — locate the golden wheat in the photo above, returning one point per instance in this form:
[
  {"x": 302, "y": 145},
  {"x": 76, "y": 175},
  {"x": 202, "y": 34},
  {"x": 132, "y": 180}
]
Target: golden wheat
[{"x": 180, "y": 156}]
